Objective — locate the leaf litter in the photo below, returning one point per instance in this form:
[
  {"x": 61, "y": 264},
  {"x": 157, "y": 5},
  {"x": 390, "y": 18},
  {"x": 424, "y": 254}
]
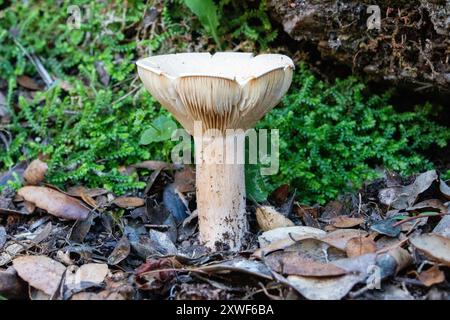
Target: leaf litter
[{"x": 88, "y": 244}]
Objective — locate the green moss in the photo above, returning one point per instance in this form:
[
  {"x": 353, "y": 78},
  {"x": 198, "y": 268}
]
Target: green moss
[{"x": 335, "y": 136}]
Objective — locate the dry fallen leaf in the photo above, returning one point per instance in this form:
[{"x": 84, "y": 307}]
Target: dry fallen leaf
[
  {"x": 444, "y": 189},
  {"x": 120, "y": 252},
  {"x": 288, "y": 233},
  {"x": 431, "y": 276},
  {"x": 345, "y": 222},
  {"x": 328, "y": 288},
  {"x": 360, "y": 245},
  {"x": 340, "y": 238},
  {"x": 434, "y": 246},
  {"x": 92, "y": 272},
  {"x": 129, "y": 202},
  {"x": 27, "y": 82},
  {"x": 35, "y": 172},
  {"x": 404, "y": 197},
  {"x": 185, "y": 180},
  {"x": 40, "y": 272},
  {"x": 443, "y": 227},
  {"x": 268, "y": 218},
  {"x": 296, "y": 263},
  {"x": 55, "y": 202}
]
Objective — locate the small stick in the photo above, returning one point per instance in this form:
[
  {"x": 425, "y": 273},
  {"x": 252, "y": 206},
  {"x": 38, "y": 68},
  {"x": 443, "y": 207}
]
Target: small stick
[{"x": 434, "y": 214}]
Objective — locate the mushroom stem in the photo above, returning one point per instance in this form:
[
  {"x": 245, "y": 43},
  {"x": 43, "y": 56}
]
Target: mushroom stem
[{"x": 220, "y": 194}]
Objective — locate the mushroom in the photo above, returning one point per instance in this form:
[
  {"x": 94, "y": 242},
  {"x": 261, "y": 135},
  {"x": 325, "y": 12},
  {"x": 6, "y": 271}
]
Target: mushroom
[{"x": 210, "y": 95}]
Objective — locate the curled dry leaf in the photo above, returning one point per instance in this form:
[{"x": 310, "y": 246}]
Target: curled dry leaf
[
  {"x": 55, "y": 202},
  {"x": 288, "y": 233},
  {"x": 404, "y": 197},
  {"x": 360, "y": 245},
  {"x": 268, "y": 218},
  {"x": 129, "y": 202},
  {"x": 345, "y": 222},
  {"x": 35, "y": 172},
  {"x": 431, "y": 276},
  {"x": 434, "y": 246},
  {"x": 40, "y": 272}
]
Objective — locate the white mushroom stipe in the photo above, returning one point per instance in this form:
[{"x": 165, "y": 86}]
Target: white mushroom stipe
[{"x": 227, "y": 90}]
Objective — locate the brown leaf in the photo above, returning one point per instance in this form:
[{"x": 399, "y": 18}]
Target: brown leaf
[
  {"x": 294, "y": 263},
  {"x": 428, "y": 205},
  {"x": 79, "y": 191},
  {"x": 434, "y": 246},
  {"x": 280, "y": 195},
  {"x": 431, "y": 276},
  {"x": 334, "y": 288},
  {"x": 40, "y": 272},
  {"x": 92, "y": 272},
  {"x": 280, "y": 238},
  {"x": 332, "y": 209},
  {"x": 360, "y": 245},
  {"x": 28, "y": 83},
  {"x": 55, "y": 202},
  {"x": 155, "y": 165},
  {"x": 185, "y": 180},
  {"x": 120, "y": 252},
  {"x": 340, "y": 238},
  {"x": 268, "y": 218},
  {"x": 35, "y": 172},
  {"x": 404, "y": 197},
  {"x": 129, "y": 202},
  {"x": 345, "y": 222}
]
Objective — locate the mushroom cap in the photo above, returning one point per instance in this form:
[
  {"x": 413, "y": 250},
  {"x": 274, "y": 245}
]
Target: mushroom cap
[{"x": 227, "y": 90}]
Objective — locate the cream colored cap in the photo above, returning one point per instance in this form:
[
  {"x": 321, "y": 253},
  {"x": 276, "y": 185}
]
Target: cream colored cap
[{"x": 227, "y": 90}]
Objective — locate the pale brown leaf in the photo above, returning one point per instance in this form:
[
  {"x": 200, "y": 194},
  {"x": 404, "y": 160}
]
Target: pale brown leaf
[
  {"x": 360, "y": 245},
  {"x": 295, "y": 263},
  {"x": 129, "y": 202},
  {"x": 55, "y": 202},
  {"x": 40, "y": 272},
  {"x": 268, "y": 218},
  {"x": 434, "y": 246},
  {"x": 27, "y": 82},
  {"x": 35, "y": 172},
  {"x": 345, "y": 222},
  {"x": 431, "y": 276}
]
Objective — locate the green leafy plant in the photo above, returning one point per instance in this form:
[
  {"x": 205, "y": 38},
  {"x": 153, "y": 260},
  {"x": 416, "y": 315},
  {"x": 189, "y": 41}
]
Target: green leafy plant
[
  {"x": 161, "y": 129},
  {"x": 206, "y": 11},
  {"x": 333, "y": 137}
]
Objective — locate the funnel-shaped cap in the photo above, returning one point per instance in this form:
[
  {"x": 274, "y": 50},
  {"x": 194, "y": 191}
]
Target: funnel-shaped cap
[{"x": 226, "y": 90}]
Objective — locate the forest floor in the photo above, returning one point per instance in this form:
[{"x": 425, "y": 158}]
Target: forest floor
[{"x": 390, "y": 240}]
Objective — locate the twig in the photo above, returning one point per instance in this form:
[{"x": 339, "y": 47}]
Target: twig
[{"x": 434, "y": 214}]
